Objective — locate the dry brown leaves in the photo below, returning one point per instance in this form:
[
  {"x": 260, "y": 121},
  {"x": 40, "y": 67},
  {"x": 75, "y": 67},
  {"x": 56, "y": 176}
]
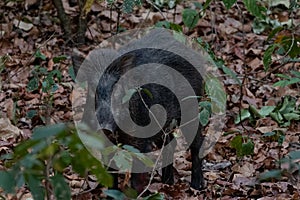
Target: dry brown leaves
[{"x": 32, "y": 25}]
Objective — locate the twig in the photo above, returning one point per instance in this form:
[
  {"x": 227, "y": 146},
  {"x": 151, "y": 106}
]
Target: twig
[
  {"x": 160, "y": 153},
  {"x": 157, "y": 8}
]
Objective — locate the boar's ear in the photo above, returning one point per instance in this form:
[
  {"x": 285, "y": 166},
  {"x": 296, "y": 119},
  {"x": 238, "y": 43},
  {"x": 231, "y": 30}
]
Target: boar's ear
[{"x": 127, "y": 62}]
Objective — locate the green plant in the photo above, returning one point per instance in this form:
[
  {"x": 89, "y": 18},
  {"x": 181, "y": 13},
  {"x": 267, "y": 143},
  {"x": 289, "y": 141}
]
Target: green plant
[
  {"x": 170, "y": 3},
  {"x": 293, "y": 167},
  {"x": 39, "y": 162},
  {"x": 45, "y": 81},
  {"x": 286, "y": 41},
  {"x": 190, "y": 17},
  {"x": 285, "y": 44},
  {"x": 284, "y": 113},
  {"x": 243, "y": 145},
  {"x": 169, "y": 25},
  {"x": 127, "y": 6},
  {"x": 42, "y": 78},
  {"x": 217, "y": 61},
  {"x": 288, "y": 80}
]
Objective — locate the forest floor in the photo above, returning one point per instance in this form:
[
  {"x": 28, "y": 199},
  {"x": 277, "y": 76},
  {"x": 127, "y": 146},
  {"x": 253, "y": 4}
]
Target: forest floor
[{"x": 30, "y": 36}]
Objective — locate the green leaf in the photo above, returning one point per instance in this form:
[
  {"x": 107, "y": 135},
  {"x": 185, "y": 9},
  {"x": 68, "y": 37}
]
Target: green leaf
[
  {"x": 123, "y": 160},
  {"x": 248, "y": 148},
  {"x": 163, "y": 24},
  {"x": 190, "y": 18},
  {"x": 289, "y": 80},
  {"x": 55, "y": 73},
  {"x": 36, "y": 189},
  {"x": 71, "y": 72},
  {"x": 294, "y": 155},
  {"x": 128, "y": 95},
  {"x": 176, "y": 27},
  {"x": 45, "y": 86},
  {"x": 130, "y": 193},
  {"x": 288, "y": 105},
  {"x": 147, "y": 92},
  {"x": 206, "y": 4},
  {"x": 131, "y": 148},
  {"x": 244, "y": 115},
  {"x": 255, "y": 9},
  {"x": 101, "y": 174},
  {"x": 54, "y": 88},
  {"x": 40, "y": 146},
  {"x": 33, "y": 84},
  {"x": 270, "y": 175},
  {"x": 61, "y": 161},
  {"x": 266, "y": 110},
  {"x": 156, "y": 196},
  {"x": 116, "y": 194},
  {"x": 281, "y": 83},
  {"x": 290, "y": 45},
  {"x": 293, "y": 81},
  {"x": 31, "y": 113},
  {"x": 92, "y": 141},
  {"x": 267, "y": 59},
  {"x": 281, "y": 139},
  {"x": 59, "y": 58},
  {"x": 48, "y": 131},
  {"x": 236, "y": 143},
  {"x": 231, "y": 73},
  {"x": 204, "y": 117},
  {"x": 259, "y": 26},
  {"x": 7, "y": 181},
  {"x": 60, "y": 187},
  {"x": 198, "y": 5},
  {"x": 283, "y": 76},
  {"x": 291, "y": 116},
  {"x": 296, "y": 73},
  {"x": 110, "y": 150},
  {"x": 128, "y": 5},
  {"x": 269, "y": 134},
  {"x": 228, "y": 3},
  {"x": 145, "y": 159},
  {"x": 254, "y": 111},
  {"x": 277, "y": 117},
  {"x": 206, "y": 105},
  {"x": 171, "y": 3},
  {"x": 21, "y": 149},
  {"x": 38, "y": 54},
  {"x": 179, "y": 36},
  {"x": 274, "y": 32},
  {"x": 215, "y": 90},
  {"x": 41, "y": 70},
  {"x": 49, "y": 151}
]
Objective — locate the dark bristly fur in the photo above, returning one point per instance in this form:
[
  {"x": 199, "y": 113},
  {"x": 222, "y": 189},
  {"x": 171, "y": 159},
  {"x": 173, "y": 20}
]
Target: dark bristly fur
[{"x": 140, "y": 113}]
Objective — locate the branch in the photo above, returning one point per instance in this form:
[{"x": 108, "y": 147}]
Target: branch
[{"x": 64, "y": 19}]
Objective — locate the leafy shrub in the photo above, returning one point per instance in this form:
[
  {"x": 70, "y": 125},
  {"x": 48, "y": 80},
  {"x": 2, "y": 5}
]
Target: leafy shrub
[{"x": 39, "y": 162}]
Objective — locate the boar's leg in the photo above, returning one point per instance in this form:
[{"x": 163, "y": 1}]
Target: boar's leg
[
  {"x": 197, "y": 181},
  {"x": 140, "y": 180},
  {"x": 115, "y": 179},
  {"x": 168, "y": 155}
]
